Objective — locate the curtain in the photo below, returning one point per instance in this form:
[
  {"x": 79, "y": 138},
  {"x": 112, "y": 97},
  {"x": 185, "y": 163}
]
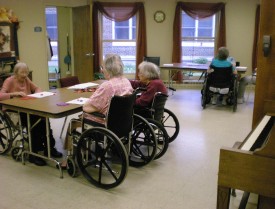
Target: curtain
[
  {"x": 197, "y": 11},
  {"x": 119, "y": 12},
  {"x": 256, "y": 38}
]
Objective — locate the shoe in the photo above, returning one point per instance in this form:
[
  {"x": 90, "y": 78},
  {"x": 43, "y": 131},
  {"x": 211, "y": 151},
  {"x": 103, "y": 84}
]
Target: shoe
[
  {"x": 214, "y": 100},
  {"x": 37, "y": 160},
  {"x": 240, "y": 100},
  {"x": 224, "y": 101},
  {"x": 54, "y": 153}
]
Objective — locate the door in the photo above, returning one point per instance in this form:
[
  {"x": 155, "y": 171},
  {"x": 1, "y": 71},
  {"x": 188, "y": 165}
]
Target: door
[{"x": 82, "y": 42}]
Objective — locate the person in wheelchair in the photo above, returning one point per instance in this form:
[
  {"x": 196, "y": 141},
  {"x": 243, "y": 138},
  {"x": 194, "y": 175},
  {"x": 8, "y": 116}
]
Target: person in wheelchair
[
  {"x": 19, "y": 85},
  {"x": 149, "y": 78},
  {"x": 221, "y": 62},
  {"x": 116, "y": 84}
]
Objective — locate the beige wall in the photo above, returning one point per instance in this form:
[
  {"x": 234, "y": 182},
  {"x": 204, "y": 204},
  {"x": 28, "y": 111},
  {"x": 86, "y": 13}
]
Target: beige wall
[{"x": 240, "y": 17}]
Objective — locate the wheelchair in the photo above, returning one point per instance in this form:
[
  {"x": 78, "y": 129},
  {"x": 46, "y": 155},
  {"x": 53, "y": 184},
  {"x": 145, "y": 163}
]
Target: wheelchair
[
  {"x": 221, "y": 82},
  {"x": 162, "y": 115},
  {"x": 103, "y": 153},
  {"x": 9, "y": 133},
  {"x": 153, "y": 114}
]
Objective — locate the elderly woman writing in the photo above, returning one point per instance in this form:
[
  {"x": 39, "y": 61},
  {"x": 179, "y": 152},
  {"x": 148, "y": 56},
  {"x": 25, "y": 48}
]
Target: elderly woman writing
[
  {"x": 116, "y": 84},
  {"x": 19, "y": 85},
  {"x": 99, "y": 101}
]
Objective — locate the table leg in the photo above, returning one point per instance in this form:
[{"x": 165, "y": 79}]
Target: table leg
[
  {"x": 202, "y": 74},
  {"x": 49, "y": 147},
  {"x": 169, "y": 79},
  {"x": 30, "y": 152}
]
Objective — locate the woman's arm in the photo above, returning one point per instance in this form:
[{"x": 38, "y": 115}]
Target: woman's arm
[{"x": 87, "y": 107}]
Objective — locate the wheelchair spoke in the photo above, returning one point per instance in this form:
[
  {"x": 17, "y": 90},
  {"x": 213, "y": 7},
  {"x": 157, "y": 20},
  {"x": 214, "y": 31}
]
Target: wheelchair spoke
[
  {"x": 110, "y": 170},
  {"x": 2, "y": 143}
]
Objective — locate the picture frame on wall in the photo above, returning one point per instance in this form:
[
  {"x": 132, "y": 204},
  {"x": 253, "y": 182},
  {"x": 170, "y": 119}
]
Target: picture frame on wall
[{"x": 8, "y": 40}]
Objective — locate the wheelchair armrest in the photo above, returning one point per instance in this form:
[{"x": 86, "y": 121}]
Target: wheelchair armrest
[
  {"x": 171, "y": 88},
  {"x": 138, "y": 107},
  {"x": 144, "y": 109},
  {"x": 96, "y": 114},
  {"x": 139, "y": 89}
]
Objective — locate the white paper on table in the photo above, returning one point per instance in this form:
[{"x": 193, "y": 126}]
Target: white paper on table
[
  {"x": 84, "y": 85},
  {"x": 41, "y": 94},
  {"x": 80, "y": 101},
  {"x": 240, "y": 68},
  {"x": 167, "y": 64}
]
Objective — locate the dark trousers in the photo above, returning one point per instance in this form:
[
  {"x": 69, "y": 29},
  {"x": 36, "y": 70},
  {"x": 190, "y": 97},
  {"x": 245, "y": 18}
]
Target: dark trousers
[{"x": 38, "y": 132}]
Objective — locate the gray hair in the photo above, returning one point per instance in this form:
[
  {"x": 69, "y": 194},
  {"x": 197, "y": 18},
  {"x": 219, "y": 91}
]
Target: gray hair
[
  {"x": 113, "y": 65},
  {"x": 19, "y": 66},
  {"x": 223, "y": 53},
  {"x": 149, "y": 70}
]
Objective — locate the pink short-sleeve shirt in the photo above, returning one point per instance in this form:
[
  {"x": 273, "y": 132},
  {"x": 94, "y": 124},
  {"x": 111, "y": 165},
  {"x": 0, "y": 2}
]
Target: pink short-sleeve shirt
[{"x": 100, "y": 99}]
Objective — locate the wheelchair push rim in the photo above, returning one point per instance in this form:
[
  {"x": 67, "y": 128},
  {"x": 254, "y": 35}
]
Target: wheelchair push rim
[
  {"x": 143, "y": 146},
  {"x": 102, "y": 158},
  {"x": 171, "y": 124}
]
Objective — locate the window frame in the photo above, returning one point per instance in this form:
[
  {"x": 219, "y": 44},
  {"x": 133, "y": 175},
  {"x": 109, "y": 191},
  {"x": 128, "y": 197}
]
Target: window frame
[
  {"x": 196, "y": 40},
  {"x": 130, "y": 42}
]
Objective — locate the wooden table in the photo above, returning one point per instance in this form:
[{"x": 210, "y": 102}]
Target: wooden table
[
  {"x": 184, "y": 66},
  {"x": 46, "y": 107}
]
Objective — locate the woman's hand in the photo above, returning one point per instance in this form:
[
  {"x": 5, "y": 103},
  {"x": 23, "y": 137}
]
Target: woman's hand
[
  {"x": 18, "y": 94},
  {"x": 210, "y": 70}
]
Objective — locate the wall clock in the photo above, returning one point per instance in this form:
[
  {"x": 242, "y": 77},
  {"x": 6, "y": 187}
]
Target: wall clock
[{"x": 159, "y": 16}]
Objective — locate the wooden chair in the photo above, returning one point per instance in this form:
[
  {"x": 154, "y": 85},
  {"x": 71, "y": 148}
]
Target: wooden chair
[{"x": 66, "y": 82}]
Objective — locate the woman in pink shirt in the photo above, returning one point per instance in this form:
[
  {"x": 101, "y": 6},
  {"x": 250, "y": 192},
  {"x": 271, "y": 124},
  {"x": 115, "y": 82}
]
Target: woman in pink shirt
[
  {"x": 19, "y": 85},
  {"x": 99, "y": 101},
  {"x": 117, "y": 84}
]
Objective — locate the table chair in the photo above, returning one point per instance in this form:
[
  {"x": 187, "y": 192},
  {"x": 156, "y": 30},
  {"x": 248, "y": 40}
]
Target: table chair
[
  {"x": 155, "y": 60},
  {"x": 69, "y": 81}
]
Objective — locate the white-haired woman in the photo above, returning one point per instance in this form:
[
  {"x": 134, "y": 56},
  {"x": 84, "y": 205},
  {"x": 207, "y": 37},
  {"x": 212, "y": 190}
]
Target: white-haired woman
[
  {"x": 149, "y": 78},
  {"x": 19, "y": 85},
  {"x": 116, "y": 84}
]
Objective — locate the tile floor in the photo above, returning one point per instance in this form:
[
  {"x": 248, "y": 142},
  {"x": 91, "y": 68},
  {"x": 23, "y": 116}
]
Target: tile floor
[{"x": 184, "y": 178}]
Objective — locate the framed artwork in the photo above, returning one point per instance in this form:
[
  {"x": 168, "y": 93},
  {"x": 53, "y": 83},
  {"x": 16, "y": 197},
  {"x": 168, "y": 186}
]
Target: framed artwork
[{"x": 8, "y": 40}]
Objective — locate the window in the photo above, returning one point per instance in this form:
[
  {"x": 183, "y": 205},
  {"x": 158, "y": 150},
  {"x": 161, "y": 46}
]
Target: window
[
  {"x": 52, "y": 30},
  {"x": 198, "y": 39},
  {"x": 120, "y": 38}
]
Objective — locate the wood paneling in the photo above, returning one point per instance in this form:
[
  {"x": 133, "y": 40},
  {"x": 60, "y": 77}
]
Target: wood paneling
[{"x": 265, "y": 88}]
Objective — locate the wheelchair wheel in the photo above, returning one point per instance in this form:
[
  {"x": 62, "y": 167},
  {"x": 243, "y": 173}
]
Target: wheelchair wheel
[
  {"x": 235, "y": 95},
  {"x": 143, "y": 146},
  {"x": 102, "y": 158},
  {"x": 16, "y": 153},
  {"x": 162, "y": 137},
  {"x": 71, "y": 167},
  {"x": 205, "y": 97},
  {"x": 171, "y": 124},
  {"x": 6, "y": 137}
]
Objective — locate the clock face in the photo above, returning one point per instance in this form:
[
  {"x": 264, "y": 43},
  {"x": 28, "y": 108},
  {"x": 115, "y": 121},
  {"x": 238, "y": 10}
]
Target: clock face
[{"x": 159, "y": 16}]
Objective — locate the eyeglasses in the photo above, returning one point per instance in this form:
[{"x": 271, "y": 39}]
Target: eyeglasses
[
  {"x": 23, "y": 72},
  {"x": 101, "y": 68}
]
